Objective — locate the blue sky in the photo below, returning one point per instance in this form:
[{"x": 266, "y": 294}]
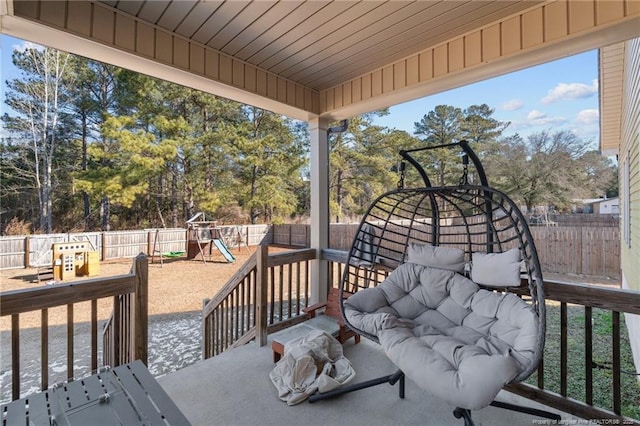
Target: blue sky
[{"x": 559, "y": 95}]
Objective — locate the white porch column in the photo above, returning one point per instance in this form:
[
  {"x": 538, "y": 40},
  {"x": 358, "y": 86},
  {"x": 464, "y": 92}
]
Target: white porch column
[{"x": 319, "y": 206}]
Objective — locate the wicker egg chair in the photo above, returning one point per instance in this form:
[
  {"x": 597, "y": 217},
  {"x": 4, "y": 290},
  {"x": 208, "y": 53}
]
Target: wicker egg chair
[{"x": 434, "y": 273}]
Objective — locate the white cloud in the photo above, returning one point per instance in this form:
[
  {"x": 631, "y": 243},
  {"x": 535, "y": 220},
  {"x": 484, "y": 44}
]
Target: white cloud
[
  {"x": 536, "y": 115},
  {"x": 570, "y": 91},
  {"x": 588, "y": 116},
  {"x": 512, "y": 105},
  {"x": 535, "y": 119}
]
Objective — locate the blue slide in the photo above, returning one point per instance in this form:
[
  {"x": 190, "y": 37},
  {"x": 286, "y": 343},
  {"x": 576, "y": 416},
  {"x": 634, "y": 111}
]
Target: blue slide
[{"x": 222, "y": 248}]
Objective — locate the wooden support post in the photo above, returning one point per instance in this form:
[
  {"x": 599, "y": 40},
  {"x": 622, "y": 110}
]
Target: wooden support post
[
  {"x": 261, "y": 293},
  {"x": 141, "y": 311}
]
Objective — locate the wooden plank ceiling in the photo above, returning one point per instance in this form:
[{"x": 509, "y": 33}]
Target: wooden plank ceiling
[
  {"x": 319, "y": 44},
  {"x": 320, "y": 58}
]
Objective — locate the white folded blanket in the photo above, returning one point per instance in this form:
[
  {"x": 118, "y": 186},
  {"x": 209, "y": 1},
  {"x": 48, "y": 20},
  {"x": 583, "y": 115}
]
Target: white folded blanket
[{"x": 314, "y": 362}]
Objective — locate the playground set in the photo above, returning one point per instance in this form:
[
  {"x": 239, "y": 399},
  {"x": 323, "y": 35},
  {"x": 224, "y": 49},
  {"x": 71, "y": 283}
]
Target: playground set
[{"x": 204, "y": 237}]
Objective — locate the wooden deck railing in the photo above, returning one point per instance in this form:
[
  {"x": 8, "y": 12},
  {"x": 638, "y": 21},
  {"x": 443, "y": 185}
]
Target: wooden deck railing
[
  {"x": 132, "y": 285},
  {"x": 267, "y": 293},
  {"x": 585, "y": 300},
  {"x": 125, "y": 334},
  {"x": 550, "y": 386}
]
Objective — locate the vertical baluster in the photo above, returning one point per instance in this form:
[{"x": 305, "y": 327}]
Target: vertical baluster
[
  {"x": 230, "y": 314},
  {"x": 225, "y": 333},
  {"x": 290, "y": 289},
  {"x": 306, "y": 283},
  {"x": 281, "y": 291},
  {"x": 229, "y": 319},
  {"x": 213, "y": 345},
  {"x": 94, "y": 334},
  {"x": 251, "y": 306},
  {"x": 44, "y": 349},
  {"x": 541, "y": 373},
  {"x": 333, "y": 273},
  {"x": 272, "y": 289},
  {"x": 615, "y": 320},
  {"x": 70, "y": 340},
  {"x": 563, "y": 349},
  {"x": 248, "y": 306},
  {"x": 235, "y": 309},
  {"x": 205, "y": 334},
  {"x": 298, "y": 298},
  {"x": 106, "y": 344},
  {"x": 115, "y": 332},
  {"x": 129, "y": 328},
  {"x": 15, "y": 356},
  {"x": 216, "y": 335},
  {"x": 221, "y": 327},
  {"x": 243, "y": 302},
  {"x": 124, "y": 327},
  {"x": 588, "y": 354}
]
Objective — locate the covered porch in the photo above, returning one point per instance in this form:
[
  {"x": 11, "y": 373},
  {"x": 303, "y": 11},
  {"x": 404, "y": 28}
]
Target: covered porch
[{"x": 321, "y": 62}]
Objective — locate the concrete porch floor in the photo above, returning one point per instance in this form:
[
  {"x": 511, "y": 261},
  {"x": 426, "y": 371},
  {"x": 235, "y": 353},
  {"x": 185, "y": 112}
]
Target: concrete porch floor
[{"x": 234, "y": 389}]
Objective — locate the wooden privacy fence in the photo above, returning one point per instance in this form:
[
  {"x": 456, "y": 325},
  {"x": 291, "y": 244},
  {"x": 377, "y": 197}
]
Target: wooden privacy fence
[
  {"x": 25, "y": 251},
  {"x": 581, "y": 250}
]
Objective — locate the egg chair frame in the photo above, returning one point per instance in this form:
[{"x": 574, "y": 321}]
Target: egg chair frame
[{"x": 467, "y": 216}]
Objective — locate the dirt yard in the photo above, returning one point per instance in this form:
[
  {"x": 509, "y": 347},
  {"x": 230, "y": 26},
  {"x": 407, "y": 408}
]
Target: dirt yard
[{"x": 176, "y": 286}]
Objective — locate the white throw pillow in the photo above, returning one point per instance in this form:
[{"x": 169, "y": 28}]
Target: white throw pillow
[
  {"x": 496, "y": 269},
  {"x": 451, "y": 259}
]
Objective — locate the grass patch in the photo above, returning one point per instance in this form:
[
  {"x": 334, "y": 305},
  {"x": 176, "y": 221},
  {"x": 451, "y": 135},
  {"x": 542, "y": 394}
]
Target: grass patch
[{"x": 602, "y": 354}]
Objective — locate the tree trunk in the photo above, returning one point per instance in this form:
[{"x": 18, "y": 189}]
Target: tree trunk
[
  {"x": 104, "y": 213},
  {"x": 254, "y": 213},
  {"x": 46, "y": 216},
  {"x": 174, "y": 197},
  {"x": 85, "y": 196},
  {"x": 339, "y": 196}
]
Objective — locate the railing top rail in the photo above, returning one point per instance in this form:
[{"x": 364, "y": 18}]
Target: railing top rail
[
  {"x": 611, "y": 298},
  {"x": 27, "y": 300},
  {"x": 615, "y": 299},
  {"x": 293, "y": 256}
]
